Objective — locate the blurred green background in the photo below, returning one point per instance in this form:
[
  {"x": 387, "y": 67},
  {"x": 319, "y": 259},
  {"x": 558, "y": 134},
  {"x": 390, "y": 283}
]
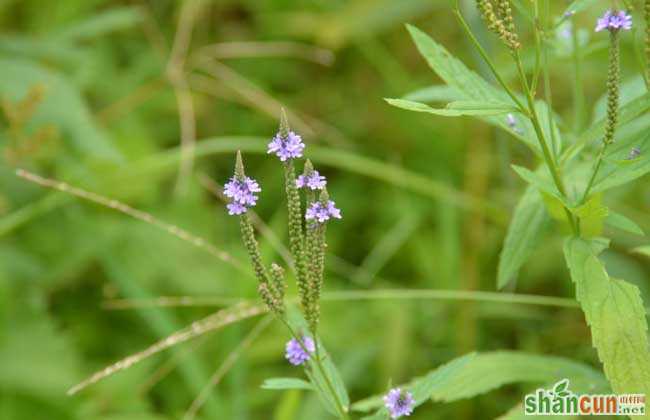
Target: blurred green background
[{"x": 95, "y": 93}]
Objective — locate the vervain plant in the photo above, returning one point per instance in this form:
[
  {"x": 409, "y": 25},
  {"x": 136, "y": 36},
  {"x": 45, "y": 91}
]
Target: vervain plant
[
  {"x": 569, "y": 182},
  {"x": 575, "y": 168}
]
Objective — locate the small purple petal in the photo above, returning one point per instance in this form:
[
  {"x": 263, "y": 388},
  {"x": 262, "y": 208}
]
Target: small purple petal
[
  {"x": 399, "y": 403},
  {"x": 296, "y": 354},
  {"x": 241, "y": 193},
  {"x": 290, "y": 147},
  {"x": 236, "y": 208},
  {"x": 313, "y": 181},
  {"x": 322, "y": 212},
  {"x": 614, "y": 21}
]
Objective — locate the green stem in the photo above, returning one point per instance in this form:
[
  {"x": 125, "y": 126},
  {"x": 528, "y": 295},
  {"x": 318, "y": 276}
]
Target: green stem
[
  {"x": 548, "y": 157},
  {"x": 330, "y": 386},
  {"x": 487, "y": 60},
  {"x": 318, "y": 363}
]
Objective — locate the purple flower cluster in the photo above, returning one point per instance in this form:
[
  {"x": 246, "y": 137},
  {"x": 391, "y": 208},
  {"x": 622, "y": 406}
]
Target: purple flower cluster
[
  {"x": 242, "y": 194},
  {"x": 322, "y": 212},
  {"x": 399, "y": 404},
  {"x": 296, "y": 354},
  {"x": 290, "y": 147},
  {"x": 313, "y": 181},
  {"x": 614, "y": 21}
]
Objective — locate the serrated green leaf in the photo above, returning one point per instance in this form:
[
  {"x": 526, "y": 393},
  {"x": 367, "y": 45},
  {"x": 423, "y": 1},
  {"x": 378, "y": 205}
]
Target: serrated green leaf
[
  {"x": 287, "y": 383},
  {"x": 524, "y": 231},
  {"x": 615, "y": 313},
  {"x": 621, "y": 222},
  {"x": 455, "y": 109}
]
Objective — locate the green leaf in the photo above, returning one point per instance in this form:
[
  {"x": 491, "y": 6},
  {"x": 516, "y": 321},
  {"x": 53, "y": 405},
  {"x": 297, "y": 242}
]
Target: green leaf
[
  {"x": 469, "y": 85},
  {"x": 617, "y": 170},
  {"x": 319, "y": 379},
  {"x": 476, "y": 374},
  {"x": 627, "y": 113},
  {"x": 453, "y": 72},
  {"x": 101, "y": 23},
  {"x": 421, "y": 388},
  {"x": 489, "y": 371},
  {"x": 554, "y": 207},
  {"x": 642, "y": 250},
  {"x": 543, "y": 184},
  {"x": 578, "y": 6},
  {"x": 621, "y": 222},
  {"x": 287, "y": 383},
  {"x": 436, "y": 93},
  {"x": 615, "y": 313},
  {"x": 455, "y": 109},
  {"x": 524, "y": 231},
  {"x": 592, "y": 216}
]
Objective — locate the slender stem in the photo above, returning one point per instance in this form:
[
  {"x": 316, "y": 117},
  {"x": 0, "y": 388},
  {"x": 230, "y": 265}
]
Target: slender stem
[
  {"x": 548, "y": 157},
  {"x": 599, "y": 162},
  {"x": 317, "y": 362},
  {"x": 487, "y": 60}
]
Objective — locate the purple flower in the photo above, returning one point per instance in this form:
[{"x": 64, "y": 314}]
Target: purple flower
[
  {"x": 399, "y": 404},
  {"x": 241, "y": 193},
  {"x": 614, "y": 21},
  {"x": 286, "y": 148},
  {"x": 296, "y": 354},
  {"x": 313, "y": 181},
  {"x": 322, "y": 212},
  {"x": 236, "y": 208}
]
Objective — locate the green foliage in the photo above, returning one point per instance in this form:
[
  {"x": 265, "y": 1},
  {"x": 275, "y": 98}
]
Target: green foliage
[
  {"x": 616, "y": 316},
  {"x": 523, "y": 235},
  {"x": 591, "y": 215},
  {"x": 422, "y": 388},
  {"x": 621, "y": 222},
  {"x": 426, "y": 201},
  {"x": 467, "y": 83},
  {"x": 476, "y": 374},
  {"x": 540, "y": 181},
  {"x": 456, "y": 109},
  {"x": 287, "y": 383}
]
